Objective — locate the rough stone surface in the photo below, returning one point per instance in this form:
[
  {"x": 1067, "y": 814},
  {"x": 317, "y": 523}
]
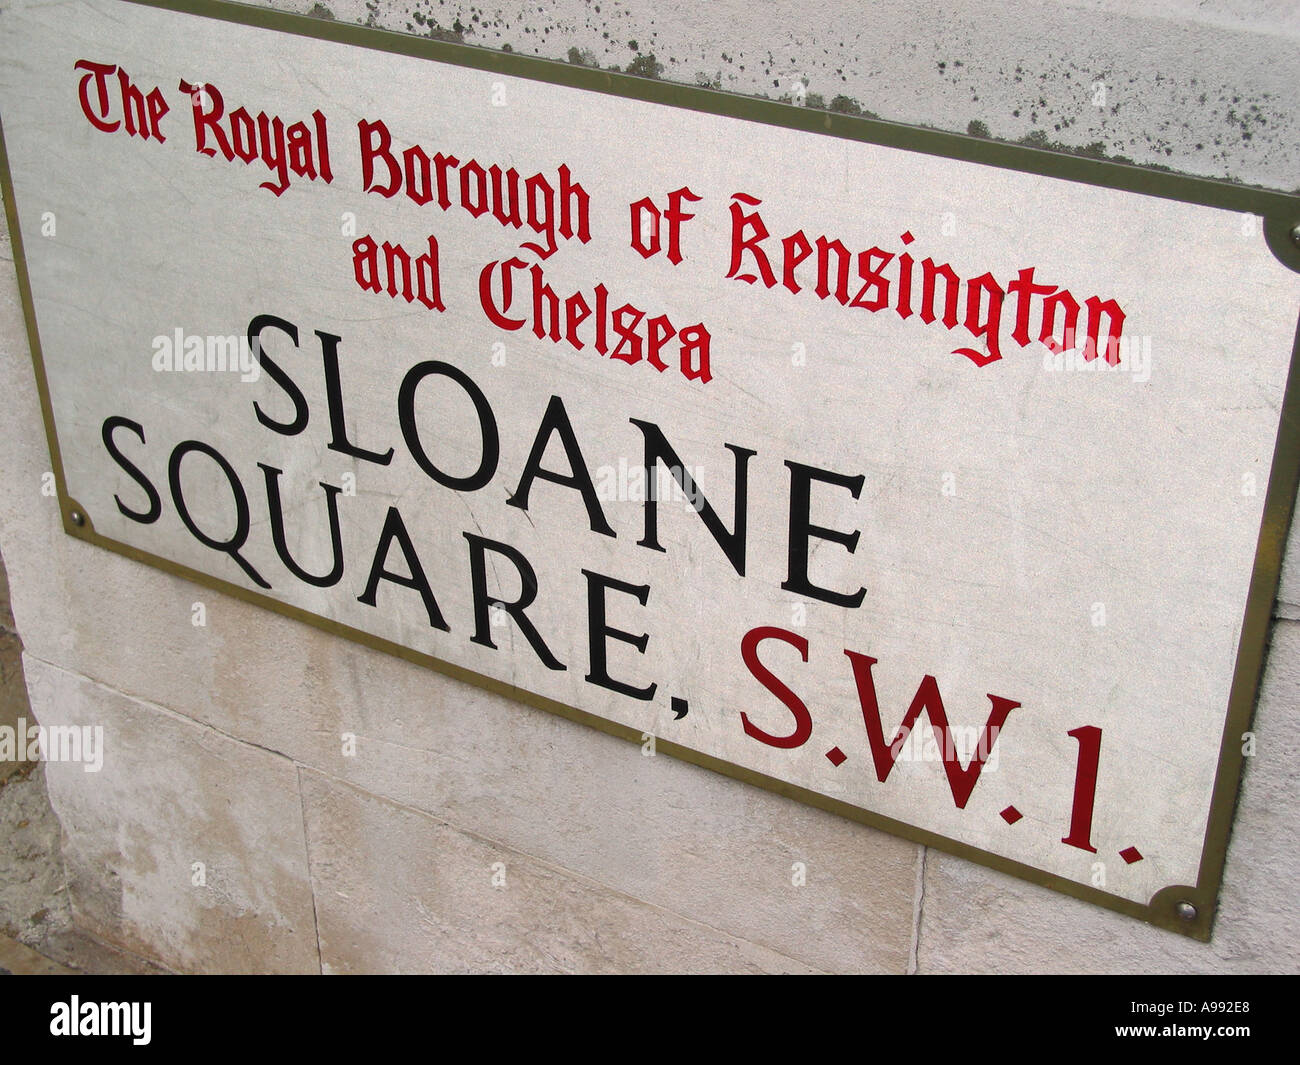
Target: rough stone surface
[
  {"x": 1202, "y": 88},
  {"x": 19, "y": 960},
  {"x": 452, "y": 902},
  {"x": 33, "y": 900},
  {"x": 172, "y": 794},
  {"x": 13, "y": 694},
  {"x": 6, "y": 615},
  {"x": 712, "y": 849},
  {"x": 13, "y": 690},
  {"x": 33, "y": 894}
]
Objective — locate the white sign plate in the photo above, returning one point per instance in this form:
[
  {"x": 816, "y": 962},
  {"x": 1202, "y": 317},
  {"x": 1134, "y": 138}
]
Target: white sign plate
[{"x": 972, "y": 461}]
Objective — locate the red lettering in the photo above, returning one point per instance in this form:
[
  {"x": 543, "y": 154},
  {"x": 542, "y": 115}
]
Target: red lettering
[
  {"x": 99, "y": 74},
  {"x": 961, "y": 780},
  {"x": 206, "y": 122},
  {"x": 802, "y": 718},
  {"x": 496, "y": 312},
  {"x": 753, "y": 224},
  {"x": 377, "y": 143}
]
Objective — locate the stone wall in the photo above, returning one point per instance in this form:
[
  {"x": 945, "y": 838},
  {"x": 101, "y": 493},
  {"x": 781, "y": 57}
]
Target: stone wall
[{"x": 229, "y": 832}]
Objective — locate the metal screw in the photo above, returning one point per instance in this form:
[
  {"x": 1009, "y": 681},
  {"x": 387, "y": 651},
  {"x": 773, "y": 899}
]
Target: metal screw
[
  {"x": 1186, "y": 911},
  {"x": 1295, "y": 234},
  {"x": 77, "y": 518}
]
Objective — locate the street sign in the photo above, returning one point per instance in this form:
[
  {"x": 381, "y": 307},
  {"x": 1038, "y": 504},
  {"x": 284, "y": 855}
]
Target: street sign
[{"x": 937, "y": 482}]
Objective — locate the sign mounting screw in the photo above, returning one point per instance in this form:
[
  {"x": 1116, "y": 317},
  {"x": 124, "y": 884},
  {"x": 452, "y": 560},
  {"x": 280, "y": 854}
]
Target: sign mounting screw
[
  {"x": 1295, "y": 234},
  {"x": 76, "y": 517},
  {"x": 1186, "y": 911}
]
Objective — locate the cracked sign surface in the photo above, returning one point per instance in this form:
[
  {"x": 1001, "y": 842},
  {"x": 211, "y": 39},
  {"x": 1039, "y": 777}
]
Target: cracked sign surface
[{"x": 928, "y": 490}]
